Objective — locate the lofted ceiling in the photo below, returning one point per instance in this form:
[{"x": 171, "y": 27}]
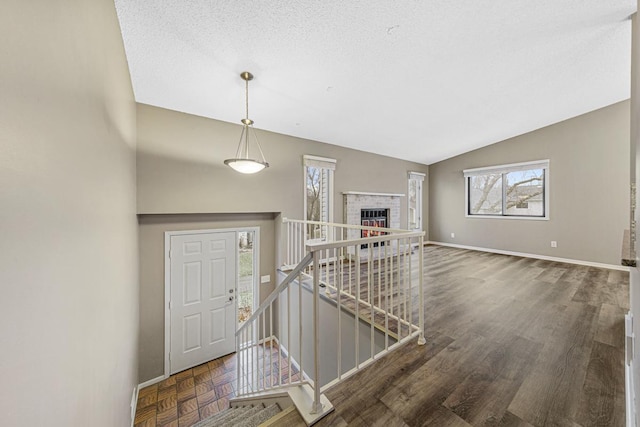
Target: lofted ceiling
[{"x": 421, "y": 80}]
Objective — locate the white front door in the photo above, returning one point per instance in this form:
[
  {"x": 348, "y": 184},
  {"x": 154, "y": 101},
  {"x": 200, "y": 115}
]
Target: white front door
[{"x": 202, "y": 306}]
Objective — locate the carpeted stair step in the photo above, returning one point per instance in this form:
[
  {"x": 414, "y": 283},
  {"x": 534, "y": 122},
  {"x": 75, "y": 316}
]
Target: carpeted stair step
[
  {"x": 235, "y": 415},
  {"x": 244, "y": 416},
  {"x": 232, "y": 422},
  {"x": 222, "y": 418},
  {"x": 260, "y": 417}
]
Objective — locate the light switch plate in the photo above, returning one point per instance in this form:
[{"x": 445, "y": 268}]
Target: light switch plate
[{"x": 265, "y": 279}]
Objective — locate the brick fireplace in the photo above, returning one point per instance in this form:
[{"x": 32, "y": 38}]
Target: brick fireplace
[
  {"x": 373, "y": 218},
  {"x": 357, "y": 205}
]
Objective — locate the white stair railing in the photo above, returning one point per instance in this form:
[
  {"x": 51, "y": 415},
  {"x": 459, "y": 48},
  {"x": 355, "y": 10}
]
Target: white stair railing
[
  {"x": 259, "y": 353},
  {"x": 297, "y": 234},
  {"x": 380, "y": 284},
  {"x": 376, "y": 279}
]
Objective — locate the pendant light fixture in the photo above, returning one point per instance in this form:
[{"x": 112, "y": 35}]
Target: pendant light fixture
[{"x": 242, "y": 162}]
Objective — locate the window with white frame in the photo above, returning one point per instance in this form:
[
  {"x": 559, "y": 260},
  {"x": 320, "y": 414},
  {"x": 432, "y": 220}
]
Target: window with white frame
[
  {"x": 519, "y": 190},
  {"x": 318, "y": 195},
  {"x": 414, "y": 200}
]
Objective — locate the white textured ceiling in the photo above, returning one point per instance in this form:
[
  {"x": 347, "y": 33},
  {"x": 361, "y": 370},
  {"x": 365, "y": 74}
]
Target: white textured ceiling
[{"x": 417, "y": 80}]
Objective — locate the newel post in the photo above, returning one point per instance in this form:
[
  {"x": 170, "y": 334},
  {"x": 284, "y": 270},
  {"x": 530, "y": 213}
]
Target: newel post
[
  {"x": 421, "y": 339},
  {"x": 317, "y": 405}
]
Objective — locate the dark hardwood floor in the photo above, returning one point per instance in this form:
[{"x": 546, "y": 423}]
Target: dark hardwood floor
[{"x": 510, "y": 342}]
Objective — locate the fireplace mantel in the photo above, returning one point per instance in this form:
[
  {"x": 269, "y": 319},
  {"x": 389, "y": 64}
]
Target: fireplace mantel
[{"x": 365, "y": 193}]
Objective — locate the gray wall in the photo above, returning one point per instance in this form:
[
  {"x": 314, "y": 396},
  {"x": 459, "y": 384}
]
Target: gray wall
[
  {"x": 181, "y": 171},
  {"x": 68, "y": 263},
  {"x": 589, "y": 179}
]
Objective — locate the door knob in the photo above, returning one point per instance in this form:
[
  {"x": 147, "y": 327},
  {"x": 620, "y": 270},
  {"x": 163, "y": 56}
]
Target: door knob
[{"x": 231, "y": 298}]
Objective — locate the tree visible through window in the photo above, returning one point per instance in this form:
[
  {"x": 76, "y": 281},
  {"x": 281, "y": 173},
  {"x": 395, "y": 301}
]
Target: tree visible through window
[
  {"x": 318, "y": 194},
  {"x": 246, "y": 278},
  {"x": 315, "y": 186},
  {"x": 510, "y": 190},
  {"x": 414, "y": 200}
]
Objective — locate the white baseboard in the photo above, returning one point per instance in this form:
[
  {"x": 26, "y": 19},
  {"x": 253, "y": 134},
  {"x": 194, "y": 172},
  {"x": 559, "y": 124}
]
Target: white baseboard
[
  {"x": 628, "y": 370},
  {"x": 136, "y": 391},
  {"x": 134, "y": 404},
  {"x": 630, "y": 406},
  {"x": 535, "y": 256},
  {"x": 151, "y": 382}
]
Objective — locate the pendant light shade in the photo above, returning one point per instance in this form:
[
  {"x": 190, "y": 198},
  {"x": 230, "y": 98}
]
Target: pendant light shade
[
  {"x": 243, "y": 163},
  {"x": 247, "y": 166}
]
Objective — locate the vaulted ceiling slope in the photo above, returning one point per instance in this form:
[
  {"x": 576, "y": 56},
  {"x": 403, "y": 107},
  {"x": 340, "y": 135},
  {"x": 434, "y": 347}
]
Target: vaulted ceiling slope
[{"x": 420, "y": 80}]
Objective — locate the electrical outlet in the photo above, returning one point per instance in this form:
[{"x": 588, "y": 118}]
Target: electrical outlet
[
  {"x": 265, "y": 279},
  {"x": 554, "y": 244},
  {"x": 453, "y": 235}
]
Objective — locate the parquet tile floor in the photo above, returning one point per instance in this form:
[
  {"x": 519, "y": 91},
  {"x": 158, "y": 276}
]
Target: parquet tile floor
[{"x": 195, "y": 394}]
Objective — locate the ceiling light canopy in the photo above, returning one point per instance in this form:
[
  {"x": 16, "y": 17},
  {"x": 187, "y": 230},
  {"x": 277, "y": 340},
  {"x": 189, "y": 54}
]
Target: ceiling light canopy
[{"x": 243, "y": 163}]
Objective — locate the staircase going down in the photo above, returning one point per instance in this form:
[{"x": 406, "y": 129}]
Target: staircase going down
[
  {"x": 241, "y": 416},
  {"x": 371, "y": 280}
]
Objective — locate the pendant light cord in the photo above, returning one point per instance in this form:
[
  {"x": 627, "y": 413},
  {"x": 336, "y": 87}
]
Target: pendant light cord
[
  {"x": 246, "y": 92},
  {"x": 246, "y": 97},
  {"x": 243, "y": 162}
]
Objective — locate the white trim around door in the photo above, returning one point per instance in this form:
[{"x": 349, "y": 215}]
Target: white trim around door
[{"x": 167, "y": 278}]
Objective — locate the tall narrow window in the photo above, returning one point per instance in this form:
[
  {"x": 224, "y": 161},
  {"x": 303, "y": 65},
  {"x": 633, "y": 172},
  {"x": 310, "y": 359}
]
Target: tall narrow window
[
  {"x": 414, "y": 200},
  {"x": 318, "y": 196},
  {"x": 516, "y": 190},
  {"x": 246, "y": 275}
]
